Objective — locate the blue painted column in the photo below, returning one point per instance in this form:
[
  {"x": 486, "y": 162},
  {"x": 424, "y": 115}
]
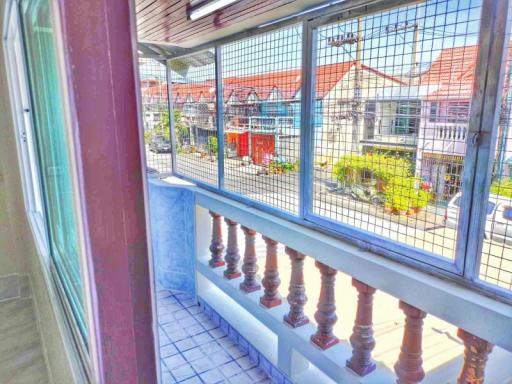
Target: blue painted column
[{"x": 172, "y": 235}]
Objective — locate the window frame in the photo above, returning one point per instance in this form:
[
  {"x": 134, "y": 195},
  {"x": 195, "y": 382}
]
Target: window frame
[
  {"x": 84, "y": 358},
  {"x": 21, "y": 110},
  {"x": 464, "y": 269}
]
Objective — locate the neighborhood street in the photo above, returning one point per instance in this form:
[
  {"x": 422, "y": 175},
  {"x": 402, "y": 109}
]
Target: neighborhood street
[{"x": 424, "y": 231}]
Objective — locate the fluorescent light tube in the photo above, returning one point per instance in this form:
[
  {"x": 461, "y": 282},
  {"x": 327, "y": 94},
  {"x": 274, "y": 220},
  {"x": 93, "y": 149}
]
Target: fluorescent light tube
[{"x": 208, "y": 7}]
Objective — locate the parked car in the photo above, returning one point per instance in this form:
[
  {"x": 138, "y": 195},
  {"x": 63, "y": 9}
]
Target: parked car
[
  {"x": 498, "y": 224},
  {"x": 159, "y": 144}
]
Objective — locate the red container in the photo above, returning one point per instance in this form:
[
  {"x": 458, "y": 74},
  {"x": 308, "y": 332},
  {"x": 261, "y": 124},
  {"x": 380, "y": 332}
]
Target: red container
[{"x": 263, "y": 147}]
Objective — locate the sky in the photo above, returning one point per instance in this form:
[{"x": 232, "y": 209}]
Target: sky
[{"x": 442, "y": 24}]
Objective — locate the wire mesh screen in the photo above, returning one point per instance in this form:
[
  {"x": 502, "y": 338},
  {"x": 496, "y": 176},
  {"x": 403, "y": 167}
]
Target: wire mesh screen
[
  {"x": 155, "y": 115},
  {"x": 195, "y": 129},
  {"x": 496, "y": 257},
  {"x": 392, "y": 103},
  {"x": 261, "y": 90}
]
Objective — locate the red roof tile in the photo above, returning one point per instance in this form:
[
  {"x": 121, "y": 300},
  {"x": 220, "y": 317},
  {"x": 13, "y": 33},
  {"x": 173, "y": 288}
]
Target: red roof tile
[{"x": 287, "y": 83}]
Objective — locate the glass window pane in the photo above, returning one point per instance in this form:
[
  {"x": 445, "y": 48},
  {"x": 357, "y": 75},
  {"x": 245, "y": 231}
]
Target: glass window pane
[
  {"x": 155, "y": 115},
  {"x": 195, "y": 128},
  {"x": 52, "y": 150},
  {"x": 496, "y": 256},
  {"x": 396, "y": 172},
  {"x": 261, "y": 81}
]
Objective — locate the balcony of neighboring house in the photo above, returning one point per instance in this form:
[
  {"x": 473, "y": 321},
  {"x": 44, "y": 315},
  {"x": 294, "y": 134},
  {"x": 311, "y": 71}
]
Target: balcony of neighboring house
[{"x": 393, "y": 122}]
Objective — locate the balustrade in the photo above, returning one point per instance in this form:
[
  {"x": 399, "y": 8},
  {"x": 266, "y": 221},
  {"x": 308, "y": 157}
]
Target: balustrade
[
  {"x": 250, "y": 266},
  {"x": 271, "y": 279},
  {"x": 296, "y": 291},
  {"x": 408, "y": 368},
  {"x": 476, "y": 353},
  {"x": 216, "y": 245},
  {"x": 325, "y": 315},
  {"x": 232, "y": 253},
  {"x": 362, "y": 340}
]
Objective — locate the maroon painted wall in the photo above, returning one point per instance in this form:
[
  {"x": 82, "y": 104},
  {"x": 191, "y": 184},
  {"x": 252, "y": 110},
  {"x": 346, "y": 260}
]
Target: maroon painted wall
[{"x": 99, "y": 55}]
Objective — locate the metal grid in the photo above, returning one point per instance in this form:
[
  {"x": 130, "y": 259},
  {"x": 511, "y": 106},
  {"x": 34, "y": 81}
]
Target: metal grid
[
  {"x": 496, "y": 256},
  {"x": 391, "y": 111},
  {"x": 261, "y": 79},
  {"x": 195, "y": 127},
  {"x": 155, "y": 115}
]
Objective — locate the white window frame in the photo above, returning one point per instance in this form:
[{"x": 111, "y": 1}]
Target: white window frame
[
  {"x": 85, "y": 365},
  {"x": 23, "y": 125}
]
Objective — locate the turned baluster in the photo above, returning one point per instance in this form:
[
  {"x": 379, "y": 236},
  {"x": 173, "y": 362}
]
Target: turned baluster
[
  {"x": 250, "y": 266},
  {"x": 325, "y": 315},
  {"x": 232, "y": 253},
  {"x": 271, "y": 279},
  {"x": 409, "y": 369},
  {"x": 362, "y": 340},
  {"x": 216, "y": 246},
  {"x": 296, "y": 291},
  {"x": 476, "y": 353}
]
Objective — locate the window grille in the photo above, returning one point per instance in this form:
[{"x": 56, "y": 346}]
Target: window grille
[
  {"x": 409, "y": 61},
  {"x": 155, "y": 115},
  {"x": 195, "y": 127},
  {"x": 496, "y": 254},
  {"x": 261, "y": 79},
  {"x": 377, "y": 139}
]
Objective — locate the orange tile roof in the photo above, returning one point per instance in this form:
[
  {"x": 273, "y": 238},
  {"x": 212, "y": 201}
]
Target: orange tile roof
[
  {"x": 454, "y": 71},
  {"x": 287, "y": 82}
]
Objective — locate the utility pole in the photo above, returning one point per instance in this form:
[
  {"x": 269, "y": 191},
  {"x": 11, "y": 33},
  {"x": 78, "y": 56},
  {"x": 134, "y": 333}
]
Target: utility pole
[
  {"x": 356, "y": 104},
  {"x": 414, "y": 59}
]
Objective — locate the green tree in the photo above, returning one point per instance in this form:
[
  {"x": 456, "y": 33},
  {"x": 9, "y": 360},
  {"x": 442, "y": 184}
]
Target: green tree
[{"x": 162, "y": 128}]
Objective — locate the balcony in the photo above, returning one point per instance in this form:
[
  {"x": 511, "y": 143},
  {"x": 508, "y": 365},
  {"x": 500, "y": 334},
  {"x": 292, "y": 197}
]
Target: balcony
[
  {"x": 278, "y": 125},
  {"x": 405, "y": 140},
  {"x": 304, "y": 306}
]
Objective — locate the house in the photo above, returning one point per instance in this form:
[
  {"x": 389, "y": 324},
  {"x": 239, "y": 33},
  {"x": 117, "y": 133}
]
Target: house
[
  {"x": 445, "y": 115},
  {"x": 266, "y": 107}
]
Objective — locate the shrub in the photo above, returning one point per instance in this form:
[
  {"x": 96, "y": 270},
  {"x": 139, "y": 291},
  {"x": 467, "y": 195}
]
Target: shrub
[
  {"x": 213, "y": 145},
  {"x": 403, "y": 194},
  {"x": 352, "y": 168},
  {"x": 279, "y": 166},
  {"x": 393, "y": 175},
  {"x": 502, "y": 188}
]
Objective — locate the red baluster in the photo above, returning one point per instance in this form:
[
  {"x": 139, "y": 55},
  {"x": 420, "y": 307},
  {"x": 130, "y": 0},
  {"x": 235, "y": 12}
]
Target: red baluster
[
  {"x": 250, "y": 266},
  {"x": 271, "y": 279},
  {"x": 362, "y": 340},
  {"x": 216, "y": 246},
  {"x": 476, "y": 353},
  {"x": 409, "y": 368},
  {"x": 325, "y": 315},
  {"x": 232, "y": 253},
  {"x": 296, "y": 292}
]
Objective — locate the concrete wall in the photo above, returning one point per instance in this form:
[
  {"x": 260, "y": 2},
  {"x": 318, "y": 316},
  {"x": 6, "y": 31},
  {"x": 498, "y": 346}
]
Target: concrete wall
[
  {"x": 172, "y": 236},
  {"x": 18, "y": 254}
]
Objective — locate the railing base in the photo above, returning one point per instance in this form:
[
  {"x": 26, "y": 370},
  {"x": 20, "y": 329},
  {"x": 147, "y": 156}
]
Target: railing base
[
  {"x": 295, "y": 323},
  {"x": 324, "y": 342},
  {"x": 248, "y": 288},
  {"x": 216, "y": 264},
  {"x": 231, "y": 276},
  {"x": 361, "y": 370},
  {"x": 270, "y": 303}
]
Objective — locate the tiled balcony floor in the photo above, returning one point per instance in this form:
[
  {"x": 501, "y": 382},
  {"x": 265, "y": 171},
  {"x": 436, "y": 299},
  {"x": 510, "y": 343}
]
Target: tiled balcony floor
[{"x": 195, "y": 350}]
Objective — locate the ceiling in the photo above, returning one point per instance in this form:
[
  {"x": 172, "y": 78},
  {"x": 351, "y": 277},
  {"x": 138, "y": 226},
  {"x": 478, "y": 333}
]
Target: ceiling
[{"x": 165, "y": 22}]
